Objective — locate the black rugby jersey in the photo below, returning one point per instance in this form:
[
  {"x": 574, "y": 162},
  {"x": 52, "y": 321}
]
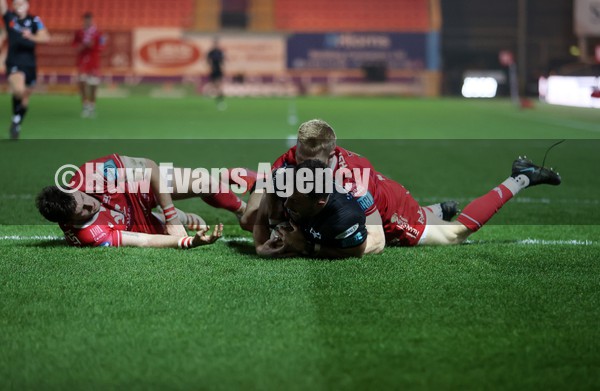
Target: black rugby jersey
[
  {"x": 216, "y": 58},
  {"x": 341, "y": 223},
  {"x": 21, "y": 51}
]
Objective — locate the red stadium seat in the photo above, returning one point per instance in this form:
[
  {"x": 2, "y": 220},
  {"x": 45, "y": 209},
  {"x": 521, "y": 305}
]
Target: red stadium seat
[
  {"x": 352, "y": 15},
  {"x": 116, "y": 14}
]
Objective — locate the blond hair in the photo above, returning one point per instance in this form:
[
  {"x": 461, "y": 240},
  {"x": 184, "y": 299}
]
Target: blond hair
[{"x": 317, "y": 137}]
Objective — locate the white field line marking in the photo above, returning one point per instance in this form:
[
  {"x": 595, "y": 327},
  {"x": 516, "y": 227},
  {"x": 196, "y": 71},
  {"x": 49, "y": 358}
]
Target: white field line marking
[
  {"x": 561, "y": 122},
  {"x": 16, "y": 196},
  {"x": 423, "y": 200},
  {"x": 35, "y": 237},
  {"x": 519, "y": 200},
  {"x": 528, "y": 241},
  {"x": 569, "y": 242},
  {"x": 543, "y": 242},
  {"x": 18, "y": 238}
]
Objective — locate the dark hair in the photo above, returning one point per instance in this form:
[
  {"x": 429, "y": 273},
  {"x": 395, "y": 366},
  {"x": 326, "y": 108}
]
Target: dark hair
[
  {"x": 322, "y": 183},
  {"x": 56, "y": 205},
  {"x": 88, "y": 15}
]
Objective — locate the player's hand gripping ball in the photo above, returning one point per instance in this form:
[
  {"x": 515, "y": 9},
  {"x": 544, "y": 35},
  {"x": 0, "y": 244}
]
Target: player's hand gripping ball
[{"x": 279, "y": 228}]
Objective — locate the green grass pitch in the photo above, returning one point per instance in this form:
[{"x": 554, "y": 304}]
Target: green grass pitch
[{"x": 516, "y": 308}]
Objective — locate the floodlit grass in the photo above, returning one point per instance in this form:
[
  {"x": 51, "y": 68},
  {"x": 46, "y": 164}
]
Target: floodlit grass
[{"x": 517, "y": 308}]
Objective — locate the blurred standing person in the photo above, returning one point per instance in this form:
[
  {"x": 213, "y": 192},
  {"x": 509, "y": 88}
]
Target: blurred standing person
[
  {"x": 23, "y": 31},
  {"x": 216, "y": 59},
  {"x": 89, "y": 42}
]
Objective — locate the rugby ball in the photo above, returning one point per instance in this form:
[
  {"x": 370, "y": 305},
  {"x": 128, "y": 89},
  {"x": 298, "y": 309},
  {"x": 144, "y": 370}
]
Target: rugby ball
[{"x": 284, "y": 226}]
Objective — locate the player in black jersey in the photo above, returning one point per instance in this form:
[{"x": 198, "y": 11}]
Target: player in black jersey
[
  {"x": 324, "y": 220},
  {"x": 216, "y": 59},
  {"x": 24, "y": 31}
]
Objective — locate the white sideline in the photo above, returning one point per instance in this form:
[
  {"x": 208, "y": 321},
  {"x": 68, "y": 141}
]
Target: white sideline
[
  {"x": 528, "y": 241},
  {"x": 35, "y": 237},
  {"x": 422, "y": 200},
  {"x": 572, "y": 242},
  {"x": 18, "y": 238},
  {"x": 518, "y": 199}
]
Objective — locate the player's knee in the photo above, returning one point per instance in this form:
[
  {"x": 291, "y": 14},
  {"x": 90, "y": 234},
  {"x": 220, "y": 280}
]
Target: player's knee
[
  {"x": 453, "y": 239},
  {"x": 19, "y": 92},
  {"x": 378, "y": 249},
  {"x": 445, "y": 235},
  {"x": 457, "y": 234}
]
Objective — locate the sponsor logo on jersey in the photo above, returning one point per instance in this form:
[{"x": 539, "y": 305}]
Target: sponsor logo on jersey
[
  {"x": 96, "y": 232},
  {"x": 353, "y": 241},
  {"x": 402, "y": 225},
  {"x": 421, "y": 219},
  {"x": 348, "y": 232},
  {"x": 315, "y": 234},
  {"x": 72, "y": 238},
  {"x": 366, "y": 201},
  {"x": 499, "y": 191},
  {"x": 110, "y": 171},
  {"x": 118, "y": 215}
]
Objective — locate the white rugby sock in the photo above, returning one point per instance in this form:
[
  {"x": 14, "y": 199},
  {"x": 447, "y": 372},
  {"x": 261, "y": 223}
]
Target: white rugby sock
[
  {"x": 436, "y": 209},
  {"x": 517, "y": 184}
]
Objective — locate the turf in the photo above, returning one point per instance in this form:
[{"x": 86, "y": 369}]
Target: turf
[{"x": 516, "y": 308}]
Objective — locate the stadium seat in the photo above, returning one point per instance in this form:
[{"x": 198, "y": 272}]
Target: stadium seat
[
  {"x": 354, "y": 15},
  {"x": 116, "y": 14}
]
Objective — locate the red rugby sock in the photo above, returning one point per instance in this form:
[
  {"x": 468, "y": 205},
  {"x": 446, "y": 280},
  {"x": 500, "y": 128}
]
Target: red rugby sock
[
  {"x": 481, "y": 210},
  {"x": 246, "y": 175},
  {"x": 228, "y": 201}
]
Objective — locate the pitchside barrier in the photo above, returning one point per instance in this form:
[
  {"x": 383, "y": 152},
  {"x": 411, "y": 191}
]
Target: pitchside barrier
[
  {"x": 267, "y": 64},
  {"x": 344, "y": 83}
]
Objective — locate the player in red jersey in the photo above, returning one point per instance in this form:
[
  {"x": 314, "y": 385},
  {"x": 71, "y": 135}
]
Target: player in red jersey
[
  {"x": 381, "y": 194},
  {"x": 393, "y": 216},
  {"x": 89, "y": 42},
  {"x": 96, "y": 214},
  {"x": 317, "y": 140}
]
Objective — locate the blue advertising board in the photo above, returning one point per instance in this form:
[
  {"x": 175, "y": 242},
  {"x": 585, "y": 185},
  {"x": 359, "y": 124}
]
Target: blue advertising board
[{"x": 397, "y": 51}]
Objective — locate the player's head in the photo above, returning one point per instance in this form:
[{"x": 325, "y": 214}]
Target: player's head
[
  {"x": 60, "y": 207},
  {"x": 309, "y": 199},
  {"x": 88, "y": 19},
  {"x": 316, "y": 140},
  {"x": 21, "y": 7}
]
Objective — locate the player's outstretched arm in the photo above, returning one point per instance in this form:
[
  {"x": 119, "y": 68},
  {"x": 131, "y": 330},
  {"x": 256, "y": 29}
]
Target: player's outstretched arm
[
  {"x": 165, "y": 201},
  {"x": 3, "y": 7},
  {"x": 294, "y": 241},
  {"x": 138, "y": 239},
  {"x": 375, "y": 235},
  {"x": 190, "y": 221},
  {"x": 264, "y": 245}
]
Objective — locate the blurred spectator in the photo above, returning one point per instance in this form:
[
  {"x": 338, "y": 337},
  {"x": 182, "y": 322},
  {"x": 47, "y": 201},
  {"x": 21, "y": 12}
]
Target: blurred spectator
[
  {"x": 216, "y": 59},
  {"x": 89, "y": 42},
  {"x": 24, "y": 31}
]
